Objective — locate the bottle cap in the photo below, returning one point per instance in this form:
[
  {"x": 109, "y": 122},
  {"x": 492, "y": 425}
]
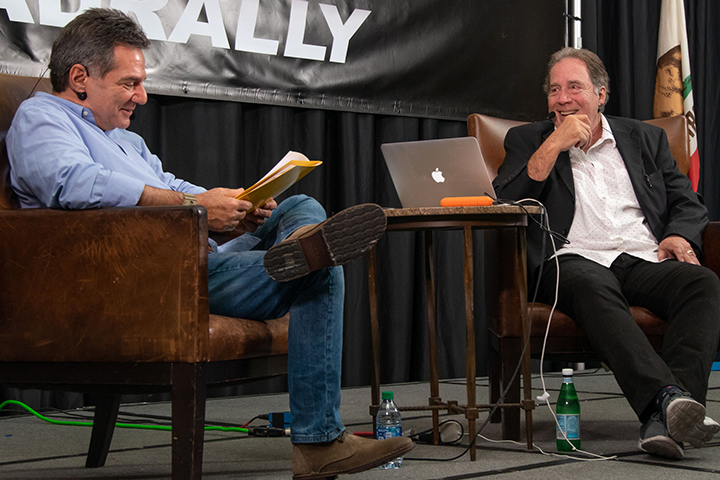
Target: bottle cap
[
  {"x": 387, "y": 396},
  {"x": 567, "y": 372}
]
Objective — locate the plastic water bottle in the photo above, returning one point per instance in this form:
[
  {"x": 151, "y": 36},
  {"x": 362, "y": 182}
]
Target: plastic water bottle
[
  {"x": 568, "y": 414},
  {"x": 388, "y": 424}
]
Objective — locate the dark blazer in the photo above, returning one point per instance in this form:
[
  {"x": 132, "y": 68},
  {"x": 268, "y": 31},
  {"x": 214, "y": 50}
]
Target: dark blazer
[{"x": 664, "y": 193}]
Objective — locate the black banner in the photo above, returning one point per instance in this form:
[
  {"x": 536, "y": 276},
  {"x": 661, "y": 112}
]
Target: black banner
[{"x": 422, "y": 58}]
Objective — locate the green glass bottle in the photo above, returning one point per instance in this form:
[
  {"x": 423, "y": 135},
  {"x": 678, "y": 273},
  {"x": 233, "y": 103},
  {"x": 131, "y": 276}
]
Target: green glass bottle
[{"x": 568, "y": 414}]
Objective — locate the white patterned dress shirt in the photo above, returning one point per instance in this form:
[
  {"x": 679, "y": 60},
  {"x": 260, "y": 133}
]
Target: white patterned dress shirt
[{"x": 608, "y": 220}]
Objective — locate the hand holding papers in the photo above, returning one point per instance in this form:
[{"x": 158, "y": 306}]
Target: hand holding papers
[{"x": 282, "y": 176}]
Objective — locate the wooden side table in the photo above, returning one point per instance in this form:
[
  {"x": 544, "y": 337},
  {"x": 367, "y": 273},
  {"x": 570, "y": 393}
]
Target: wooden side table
[{"x": 428, "y": 220}]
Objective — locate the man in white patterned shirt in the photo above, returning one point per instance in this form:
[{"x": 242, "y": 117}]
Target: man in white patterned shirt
[{"x": 634, "y": 225}]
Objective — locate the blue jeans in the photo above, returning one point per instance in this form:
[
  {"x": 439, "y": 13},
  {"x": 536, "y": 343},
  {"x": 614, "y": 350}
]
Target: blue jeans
[{"x": 240, "y": 287}]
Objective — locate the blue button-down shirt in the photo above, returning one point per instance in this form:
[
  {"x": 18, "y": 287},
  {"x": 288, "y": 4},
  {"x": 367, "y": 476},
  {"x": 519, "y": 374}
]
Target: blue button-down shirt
[{"x": 60, "y": 158}]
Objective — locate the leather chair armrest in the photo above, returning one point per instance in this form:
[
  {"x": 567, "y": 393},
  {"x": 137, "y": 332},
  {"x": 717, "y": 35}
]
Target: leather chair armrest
[
  {"x": 116, "y": 284},
  {"x": 711, "y": 247}
]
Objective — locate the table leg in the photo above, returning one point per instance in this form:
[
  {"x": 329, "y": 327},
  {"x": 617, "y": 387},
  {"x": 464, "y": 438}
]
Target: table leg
[
  {"x": 432, "y": 332},
  {"x": 374, "y": 333},
  {"x": 471, "y": 412},
  {"x": 525, "y": 322}
]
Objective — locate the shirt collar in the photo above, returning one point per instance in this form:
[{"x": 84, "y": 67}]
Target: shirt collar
[
  {"x": 77, "y": 110},
  {"x": 607, "y": 135},
  {"x": 578, "y": 155}
]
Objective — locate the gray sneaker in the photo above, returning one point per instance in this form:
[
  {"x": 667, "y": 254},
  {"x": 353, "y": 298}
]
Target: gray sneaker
[
  {"x": 684, "y": 419},
  {"x": 655, "y": 440}
]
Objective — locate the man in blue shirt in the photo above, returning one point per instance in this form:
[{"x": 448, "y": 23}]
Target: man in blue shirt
[{"x": 71, "y": 150}]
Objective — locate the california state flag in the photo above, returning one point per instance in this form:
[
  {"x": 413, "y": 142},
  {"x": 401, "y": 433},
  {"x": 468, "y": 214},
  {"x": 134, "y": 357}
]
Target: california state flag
[{"x": 673, "y": 89}]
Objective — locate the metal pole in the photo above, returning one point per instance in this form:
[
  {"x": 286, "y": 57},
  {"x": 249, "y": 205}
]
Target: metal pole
[{"x": 573, "y": 32}]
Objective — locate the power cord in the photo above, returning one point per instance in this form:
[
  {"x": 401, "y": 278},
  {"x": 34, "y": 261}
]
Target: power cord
[
  {"x": 42, "y": 75},
  {"x": 426, "y": 436},
  {"x": 119, "y": 424},
  {"x": 546, "y": 396},
  {"x": 553, "y": 454}
]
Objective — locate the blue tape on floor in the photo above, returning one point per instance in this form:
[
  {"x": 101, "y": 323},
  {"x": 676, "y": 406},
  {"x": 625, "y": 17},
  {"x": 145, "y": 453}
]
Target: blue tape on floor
[{"x": 716, "y": 366}]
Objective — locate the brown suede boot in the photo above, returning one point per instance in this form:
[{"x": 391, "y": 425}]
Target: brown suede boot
[
  {"x": 346, "y": 454},
  {"x": 339, "y": 239}
]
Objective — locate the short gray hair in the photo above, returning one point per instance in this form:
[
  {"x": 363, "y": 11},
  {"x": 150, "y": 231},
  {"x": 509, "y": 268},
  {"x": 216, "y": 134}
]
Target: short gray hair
[{"x": 90, "y": 40}]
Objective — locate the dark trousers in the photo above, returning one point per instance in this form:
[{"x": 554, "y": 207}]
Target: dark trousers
[{"x": 686, "y": 296}]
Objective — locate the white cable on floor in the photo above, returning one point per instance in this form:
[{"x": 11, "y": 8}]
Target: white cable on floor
[
  {"x": 546, "y": 396},
  {"x": 551, "y": 454}
]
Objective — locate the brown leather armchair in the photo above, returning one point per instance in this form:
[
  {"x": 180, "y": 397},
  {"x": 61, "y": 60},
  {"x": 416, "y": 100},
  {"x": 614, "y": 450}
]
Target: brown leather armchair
[
  {"x": 566, "y": 341},
  {"x": 114, "y": 301}
]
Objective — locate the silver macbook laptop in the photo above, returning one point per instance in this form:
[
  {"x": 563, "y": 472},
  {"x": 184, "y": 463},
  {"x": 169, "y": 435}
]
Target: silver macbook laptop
[{"x": 427, "y": 171}]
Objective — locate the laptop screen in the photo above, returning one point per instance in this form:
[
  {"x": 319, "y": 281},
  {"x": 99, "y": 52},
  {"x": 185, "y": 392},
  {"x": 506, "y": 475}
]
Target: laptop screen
[{"x": 425, "y": 172}]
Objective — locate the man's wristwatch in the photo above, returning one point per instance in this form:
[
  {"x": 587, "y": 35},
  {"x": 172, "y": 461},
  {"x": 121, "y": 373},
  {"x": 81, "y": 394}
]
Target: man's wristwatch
[{"x": 189, "y": 199}]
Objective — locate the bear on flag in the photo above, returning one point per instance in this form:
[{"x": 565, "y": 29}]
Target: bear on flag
[{"x": 673, "y": 87}]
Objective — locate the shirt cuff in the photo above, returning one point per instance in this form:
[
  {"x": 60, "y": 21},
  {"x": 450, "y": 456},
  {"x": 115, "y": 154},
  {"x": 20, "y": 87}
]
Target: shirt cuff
[
  {"x": 190, "y": 188},
  {"x": 121, "y": 191}
]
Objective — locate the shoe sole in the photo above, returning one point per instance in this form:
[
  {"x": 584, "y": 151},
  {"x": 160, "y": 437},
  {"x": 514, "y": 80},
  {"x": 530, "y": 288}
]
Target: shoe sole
[
  {"x": 342, "y": 238},
  {"x": 375, "y": 463},
  {"x": 683, "y": 419},
  {"x": 662, "y": 446}
]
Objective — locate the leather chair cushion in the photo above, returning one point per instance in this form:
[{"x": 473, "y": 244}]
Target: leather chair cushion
[
  {"x": 232, "y": 338},
  {"x": 564, "y": 326}
]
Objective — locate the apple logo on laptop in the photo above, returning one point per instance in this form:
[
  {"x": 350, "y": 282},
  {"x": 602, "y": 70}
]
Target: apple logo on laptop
[{"x": 438, "y": 176}]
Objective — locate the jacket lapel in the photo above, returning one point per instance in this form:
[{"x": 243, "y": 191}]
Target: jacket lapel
[{"x": 629, "y": 147}]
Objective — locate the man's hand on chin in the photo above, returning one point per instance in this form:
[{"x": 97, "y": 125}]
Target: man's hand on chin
[{"x": 574, "y": 131}]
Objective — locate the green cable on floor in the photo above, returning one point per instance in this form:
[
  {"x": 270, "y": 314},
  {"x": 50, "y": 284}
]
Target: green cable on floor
[{"x": 120, "y": 425}]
